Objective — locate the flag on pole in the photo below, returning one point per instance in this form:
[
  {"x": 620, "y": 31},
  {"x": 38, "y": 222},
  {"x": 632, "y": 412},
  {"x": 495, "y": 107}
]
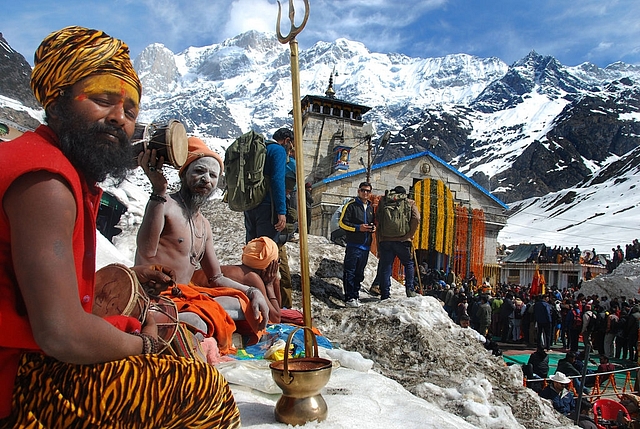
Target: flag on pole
[{"x": 536, "y": 287}]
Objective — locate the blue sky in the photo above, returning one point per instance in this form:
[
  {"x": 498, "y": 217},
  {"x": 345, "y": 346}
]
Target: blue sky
[{"x": 573, "y": 31}]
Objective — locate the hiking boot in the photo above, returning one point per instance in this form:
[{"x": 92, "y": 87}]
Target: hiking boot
[
  {"x": 353, "y": 303},
  {"x": 374, "y": 290},
  {"x": 411, "y": 294}
]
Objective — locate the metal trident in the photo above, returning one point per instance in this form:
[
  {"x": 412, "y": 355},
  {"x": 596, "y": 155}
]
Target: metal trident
[
  {"x": 299, "y": 150},
  {"x": 294, "y": 30}
]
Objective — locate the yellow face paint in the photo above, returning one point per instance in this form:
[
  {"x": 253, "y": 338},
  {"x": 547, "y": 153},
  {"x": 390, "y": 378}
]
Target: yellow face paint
[{"x": 109, "y": 84}]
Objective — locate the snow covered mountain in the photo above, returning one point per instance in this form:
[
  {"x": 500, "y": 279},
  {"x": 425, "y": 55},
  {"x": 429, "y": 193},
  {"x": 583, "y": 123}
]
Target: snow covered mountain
[
  {"x": 599, "y": 213},
  {"x": 251, "y": 72},
  {"x": 522, "y": 131}
]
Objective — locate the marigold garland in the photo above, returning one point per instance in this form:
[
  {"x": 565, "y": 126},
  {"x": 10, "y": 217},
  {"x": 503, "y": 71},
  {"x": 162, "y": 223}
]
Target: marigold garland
[
  {"x": 435, "y": 203},
  {"x": 461, "y": 242},
  {"x": 449, "y": 227},
  {"x": 440, "y": 218},
  {"x": 455, "y": 231},
  {"x": 477, "y": 242}
]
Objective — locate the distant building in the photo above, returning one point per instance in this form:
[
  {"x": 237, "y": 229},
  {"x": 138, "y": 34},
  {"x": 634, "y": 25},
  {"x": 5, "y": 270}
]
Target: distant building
[
  {"x": 461, "y": 220},
  {"x": 520, "y": 265},
  {"x": 334, "y": 136}
]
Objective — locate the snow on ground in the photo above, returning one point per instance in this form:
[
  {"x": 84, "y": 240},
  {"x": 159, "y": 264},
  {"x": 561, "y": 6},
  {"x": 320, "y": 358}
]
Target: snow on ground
[
  {"x": 596, "y": 215},
  {"x": 427, "y": 371},
  {"x": 623, "y": 281}
]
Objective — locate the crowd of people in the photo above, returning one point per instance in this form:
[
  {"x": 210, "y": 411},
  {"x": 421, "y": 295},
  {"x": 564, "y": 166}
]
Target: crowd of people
[
  {"x": 566, "y": 320},
  {"x": 555, "y": 318},
  {"x": 556, "y": 255}
]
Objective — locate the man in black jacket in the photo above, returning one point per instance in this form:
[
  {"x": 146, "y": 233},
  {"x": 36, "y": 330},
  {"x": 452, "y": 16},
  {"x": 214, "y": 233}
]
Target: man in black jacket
[
  {"x": 356, "y": 220},
  {"x": 505, "y": 311}
]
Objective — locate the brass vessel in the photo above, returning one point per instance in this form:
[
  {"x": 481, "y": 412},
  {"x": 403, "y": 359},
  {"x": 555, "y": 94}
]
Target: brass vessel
[{"x": 301, "y": 380}]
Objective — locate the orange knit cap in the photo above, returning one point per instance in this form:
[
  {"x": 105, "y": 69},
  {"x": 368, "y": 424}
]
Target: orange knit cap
[
  {"x": 259, "y": 253},
  {"x": 198, "y": 149}
]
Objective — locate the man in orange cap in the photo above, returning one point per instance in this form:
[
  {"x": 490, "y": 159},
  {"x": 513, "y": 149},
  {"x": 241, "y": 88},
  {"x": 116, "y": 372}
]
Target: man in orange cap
[
  {"x": 174, "y": 233},
  {"x": 259, "y": 269},
  {"x": 57, "y": 359}
]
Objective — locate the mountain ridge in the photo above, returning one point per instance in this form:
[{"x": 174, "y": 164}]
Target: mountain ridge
[{"x": 521, "y": 130}]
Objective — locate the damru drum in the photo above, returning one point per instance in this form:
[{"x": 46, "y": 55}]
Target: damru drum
[
  {"x": 118, "y": 292},
  {"x": 169, "y": 140}
]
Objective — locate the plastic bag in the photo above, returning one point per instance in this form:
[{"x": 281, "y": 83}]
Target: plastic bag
[
  {"x": 276, "y": 351},
  {"x": 255, "y": 374}
]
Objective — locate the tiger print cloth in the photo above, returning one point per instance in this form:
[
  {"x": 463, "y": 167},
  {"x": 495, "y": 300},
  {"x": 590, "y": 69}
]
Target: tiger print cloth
[{"x": 145, "y": 391}]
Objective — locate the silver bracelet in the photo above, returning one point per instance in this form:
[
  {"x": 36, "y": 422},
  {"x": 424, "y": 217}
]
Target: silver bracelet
[
  {"x": 249, "y": 292},
  {"x": 216, "y": 277}
]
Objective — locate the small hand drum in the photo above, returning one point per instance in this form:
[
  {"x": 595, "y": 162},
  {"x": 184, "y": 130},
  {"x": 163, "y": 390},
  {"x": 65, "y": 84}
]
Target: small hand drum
[
  {"x": 118, "y": 292},
  {"x": 165, "y": 313},
  {"x": 169, "y": 140}
]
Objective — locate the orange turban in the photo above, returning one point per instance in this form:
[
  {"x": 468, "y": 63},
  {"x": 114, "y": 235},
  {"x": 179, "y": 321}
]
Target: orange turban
[
  {"x": 259, "y": 253},
  {"x": 198, "y": 149},
  {"x": 69, "y": 55}
]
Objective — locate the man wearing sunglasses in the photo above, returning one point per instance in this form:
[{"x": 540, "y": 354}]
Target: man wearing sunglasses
[{"x": 356, "y": 219}]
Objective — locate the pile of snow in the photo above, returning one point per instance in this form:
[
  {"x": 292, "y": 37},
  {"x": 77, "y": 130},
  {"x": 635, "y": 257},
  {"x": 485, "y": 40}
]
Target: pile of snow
[
  {"x": 427, "y": 371},
  {"x": 623, "y": 281}
]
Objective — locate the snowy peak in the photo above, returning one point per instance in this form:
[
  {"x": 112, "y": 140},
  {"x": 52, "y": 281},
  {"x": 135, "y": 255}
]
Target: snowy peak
[
  {"x": 15, "y": 73},
  {"x": 542, "y": 74},
  {"x": 254, "y": 41},
  {"x": 156, "y": 67},
  {"x": 340, "y": 51},
  {"x": 247, "y": 53}
]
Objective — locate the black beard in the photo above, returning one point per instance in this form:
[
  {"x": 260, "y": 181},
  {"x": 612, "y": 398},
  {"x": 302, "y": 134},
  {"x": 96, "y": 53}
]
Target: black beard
[{"x": 95, "y": 157}]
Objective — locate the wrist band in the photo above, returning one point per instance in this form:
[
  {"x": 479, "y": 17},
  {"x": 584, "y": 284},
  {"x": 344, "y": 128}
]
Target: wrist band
[
  {"x": 216, "y": 277},
  {"x": 157, "y": 197},
  {"x": 150, "y": 344}
]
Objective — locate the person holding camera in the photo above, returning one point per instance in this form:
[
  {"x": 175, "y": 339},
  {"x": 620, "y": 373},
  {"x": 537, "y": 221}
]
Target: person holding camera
[{"x": 356, "y": 219}]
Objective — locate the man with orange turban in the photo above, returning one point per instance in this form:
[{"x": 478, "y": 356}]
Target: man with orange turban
[
  {"x": 259, "y": 269},
  {"x": 174, "y": 233},
  {"x": 57, "y": 359}
]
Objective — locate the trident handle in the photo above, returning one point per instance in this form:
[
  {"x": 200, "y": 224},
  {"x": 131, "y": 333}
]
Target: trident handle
[
  {"x": 294, "y": 31},
  {"x": 297, "y": 141}
]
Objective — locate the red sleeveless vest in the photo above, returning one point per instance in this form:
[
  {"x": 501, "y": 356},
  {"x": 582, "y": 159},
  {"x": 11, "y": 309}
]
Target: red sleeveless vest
[{"x": 30, "y": 152}]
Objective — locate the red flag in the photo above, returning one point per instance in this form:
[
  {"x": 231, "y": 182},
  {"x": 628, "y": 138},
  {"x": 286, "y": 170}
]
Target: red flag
[{"x": 535, "y": 283}]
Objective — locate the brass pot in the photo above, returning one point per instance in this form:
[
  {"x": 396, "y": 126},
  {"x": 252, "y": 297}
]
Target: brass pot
[{"x": 301, "y": 381}]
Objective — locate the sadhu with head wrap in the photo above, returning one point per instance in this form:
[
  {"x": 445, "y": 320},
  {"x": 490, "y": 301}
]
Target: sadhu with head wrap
[
  {"x": 259, "y": 269},
  {"x": 175, "y": 233},
  {"x": 57, "y": 359}
]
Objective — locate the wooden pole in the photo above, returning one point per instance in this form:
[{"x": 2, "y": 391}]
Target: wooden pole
[{"x": 300, "y": 180}]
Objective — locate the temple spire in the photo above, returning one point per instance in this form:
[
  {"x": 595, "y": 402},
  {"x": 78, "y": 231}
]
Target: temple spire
[{"x": 330, "y": 93}]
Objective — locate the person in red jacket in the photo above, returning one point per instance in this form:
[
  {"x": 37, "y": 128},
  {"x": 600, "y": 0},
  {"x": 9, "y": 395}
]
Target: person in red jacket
[{"x": 60, "y": 365}]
